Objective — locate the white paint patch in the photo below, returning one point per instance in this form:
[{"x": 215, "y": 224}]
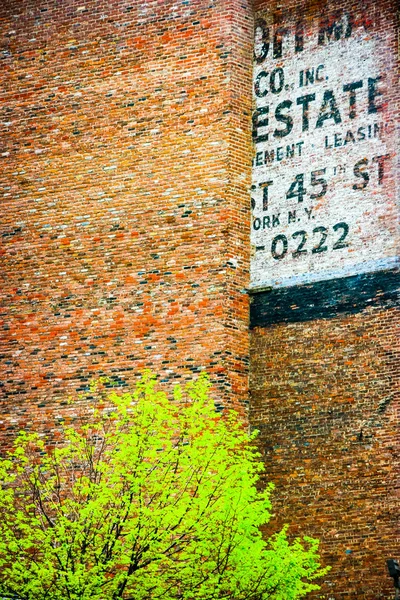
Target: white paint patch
[{"x": 323, "y": 189}]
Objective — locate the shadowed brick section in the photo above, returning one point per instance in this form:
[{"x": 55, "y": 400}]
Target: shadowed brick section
[
  {"x": 125, "y": 170},
  {"x": 325, "y": 299}
]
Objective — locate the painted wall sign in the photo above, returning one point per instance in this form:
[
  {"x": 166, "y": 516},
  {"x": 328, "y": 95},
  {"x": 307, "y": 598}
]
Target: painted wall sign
[{"x": 323, "y": 189}]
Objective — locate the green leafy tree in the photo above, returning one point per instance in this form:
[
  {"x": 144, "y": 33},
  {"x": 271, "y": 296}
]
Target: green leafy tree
[{"x": 151, "y": 498}]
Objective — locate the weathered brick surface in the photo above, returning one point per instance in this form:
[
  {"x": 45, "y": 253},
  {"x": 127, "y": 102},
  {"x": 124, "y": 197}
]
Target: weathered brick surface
[
  {"x": 324, "y": 359},
  {"x": 325, "y": 397},
  {"x": 125, "y": 175},
  {"x": 125, "y": 145},
  {"x": 325, "y": 179}
]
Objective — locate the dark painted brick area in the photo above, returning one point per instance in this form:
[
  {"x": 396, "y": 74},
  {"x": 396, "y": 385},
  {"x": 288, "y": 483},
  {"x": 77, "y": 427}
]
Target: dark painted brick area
[{"x": 325, "y": 299}]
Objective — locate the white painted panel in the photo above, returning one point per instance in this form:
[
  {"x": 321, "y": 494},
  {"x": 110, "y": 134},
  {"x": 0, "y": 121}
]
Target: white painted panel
[{"x": 324, "y": 191}]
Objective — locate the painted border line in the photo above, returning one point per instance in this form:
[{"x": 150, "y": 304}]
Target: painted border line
[{"x": 324, "y": 299}]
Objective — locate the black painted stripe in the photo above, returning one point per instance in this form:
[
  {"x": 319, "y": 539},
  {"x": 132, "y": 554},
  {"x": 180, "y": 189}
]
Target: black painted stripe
[{"x": 324, "y": 299}]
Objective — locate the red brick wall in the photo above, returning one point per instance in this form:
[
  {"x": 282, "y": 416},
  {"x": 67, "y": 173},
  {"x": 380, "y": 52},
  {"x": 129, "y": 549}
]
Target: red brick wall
[
  {"x": 125, "y": 172},
  {"x": 324, "y": 363},
  {"x": 325, "y": 397}
]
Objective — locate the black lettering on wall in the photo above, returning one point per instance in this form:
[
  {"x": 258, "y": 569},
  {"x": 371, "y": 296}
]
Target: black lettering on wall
[
  {"x": 351, "y": 88},
  {"x": 373, "y": 93},
  {"x": 265, "y": 187},
  {"x": 279, "y": 247},
  {"x": 302, "y": 242},
  {"x": 283, "y": 118},
  {"x": 329, "y": 109},
  {"x": 261, "y": 47},
  {"x": 310, "y": 77},
  {"x": 260, "y": 86},
  {"x": 299, "y": 37},
  {"x": 277, "y": 86},
  {"x": 381, "y": 166},
  {"x": 318, "y": 76},
  {"x": 340, "y": 243},
  {"x": 269, "y": 156},
  {"x": 290, "y": 150},
  {"x": 276, "y": 82},
  {"x": 305, "y": 102},
  {"x": 308, "y": 212},
  {"x": 278, "y": 37},
  {"x": 257, "y": 123},
  {"x": 266, "y": 222},
  {"x": 321, "y": 246},
  {"x": 360, "y": 172},
  {"x": 334, "y": 28},
  {"x": 360, "y": 133},
  {"x": 318, "y": 180},
  {"x": 296, "y": 189}
]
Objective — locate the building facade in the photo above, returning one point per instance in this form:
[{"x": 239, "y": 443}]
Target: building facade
[{"x": 212, "y": 184}]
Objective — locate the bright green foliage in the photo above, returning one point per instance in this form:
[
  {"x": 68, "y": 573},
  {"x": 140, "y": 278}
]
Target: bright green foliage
[{"x": 151, "y": 499}]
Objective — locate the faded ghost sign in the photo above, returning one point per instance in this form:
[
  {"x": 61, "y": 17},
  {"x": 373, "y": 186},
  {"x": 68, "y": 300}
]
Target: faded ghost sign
[{"x": 323, "y": 190}]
